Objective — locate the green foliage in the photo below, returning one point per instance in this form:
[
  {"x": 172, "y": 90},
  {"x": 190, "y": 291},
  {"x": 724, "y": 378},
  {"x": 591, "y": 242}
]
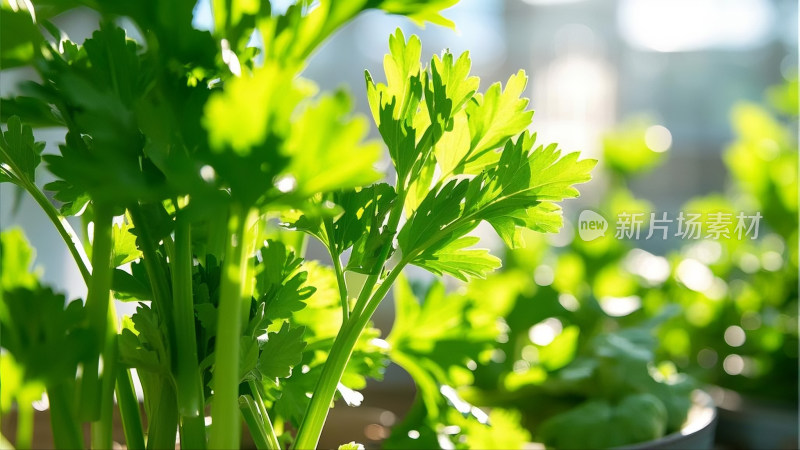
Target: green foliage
[
  {"x": 435, "y": 117},
  {"x": 626, "y": 150},
  {"x": 16, "y": 261},
  {"x": 180, "y": 151},
  {"x": 20, "y": 155},
  {"x": 43, "y": 333},
  {"x": 142, "y": 343},
  {"x": 598, "y": 424},
  {"x": 434, "y": 340},
  {"x": 759, "y": 276},
  {"x": 19, "y": 38},
  {"x": 44, "y": 341},
  {"x": 282, "y": 351}
]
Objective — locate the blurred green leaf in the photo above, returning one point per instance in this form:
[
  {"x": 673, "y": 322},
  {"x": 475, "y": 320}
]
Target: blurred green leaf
[
  {"x": 19, "y": 37},
  {"x": 600, "y": 424},
  {"x": 16, "y": 261},
  {"x": 326, "y": 149},
  {"x": 626, "y": 150}
]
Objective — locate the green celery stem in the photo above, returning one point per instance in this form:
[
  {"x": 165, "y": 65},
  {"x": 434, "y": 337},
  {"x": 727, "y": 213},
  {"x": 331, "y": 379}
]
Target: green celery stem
[
  {"x": 225, "y": 421},
  {"x": 317, "y": 412},
  {"x": 97, "y": 302},
  {"x": 102, "y": 437},
  {"x": 254, "y": 423},
  {"x": 269, "y": 430},
  {"x": 164, "y": 423},
  {"x": 129, "y": 411},
  {"x": 67, "y": 432},
  {"x": 24, "y": 425},
  {"x": 64, "y": 229},
  {"x": 187, "y": 373}
]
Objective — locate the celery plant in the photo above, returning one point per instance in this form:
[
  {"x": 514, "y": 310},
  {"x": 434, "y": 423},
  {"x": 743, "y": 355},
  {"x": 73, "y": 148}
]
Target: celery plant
[{"x": 199, "y": 158}]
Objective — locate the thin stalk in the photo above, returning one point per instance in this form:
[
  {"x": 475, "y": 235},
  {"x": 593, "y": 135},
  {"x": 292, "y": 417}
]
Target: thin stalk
[
  {"x": 340, "y": 281},
  {"x": 64, "y": 229},
  {"x": 252, "y": 418},
  {"x": 337, "y": 267},
  {"x": 129, "y": 411},
  {"x": 97, "y": 302},
  {"x": 187, "y": 374},
  {"x": 24, "y": 425},
  {"x": 225, "y": 425},
  {"x": 317, "y": 412},
  {"x": 272, "y": 437},
  {"x": 102, "y": 429},
  {"x": 67, "y": 432}
]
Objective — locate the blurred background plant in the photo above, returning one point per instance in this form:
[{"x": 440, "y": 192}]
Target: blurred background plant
[
  {"x": 595, "y": 334},
  {"x": 739, "y": 296}
]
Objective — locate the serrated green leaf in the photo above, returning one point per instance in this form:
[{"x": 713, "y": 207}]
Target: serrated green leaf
[
  {"x": 544, "y": 217},
  {"x": 458, "y": 259},
  {"x": 518, "y": 190},
  {"x": 366, "y": 233},
  {"x": 280, "y": 283},
  {"x": 133, "y": 354},
  {"x": 345, "y": 219},
  {"x": 447, "y": 87},
  {"x": 402, "y": 67},
  {"x": 19, "y": 152},
  {"x": 281, "y": 352},
  {"x": 394, "y": 105},
  {"x": 437, "y": 210},
  {"x": 458, "y": 85},
  {"x": 73, "y": 198},
  {"x": 125, "y": 249},
  {"x": 420, "y": 11},
  {"x": 498, "y": 114},
  {"x": 142, "y": 344}
]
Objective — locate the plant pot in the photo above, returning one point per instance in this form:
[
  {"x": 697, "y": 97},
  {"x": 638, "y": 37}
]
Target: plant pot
[
  {"x": 697, "y": 432},
  {"x": 746, "y": 422}
]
